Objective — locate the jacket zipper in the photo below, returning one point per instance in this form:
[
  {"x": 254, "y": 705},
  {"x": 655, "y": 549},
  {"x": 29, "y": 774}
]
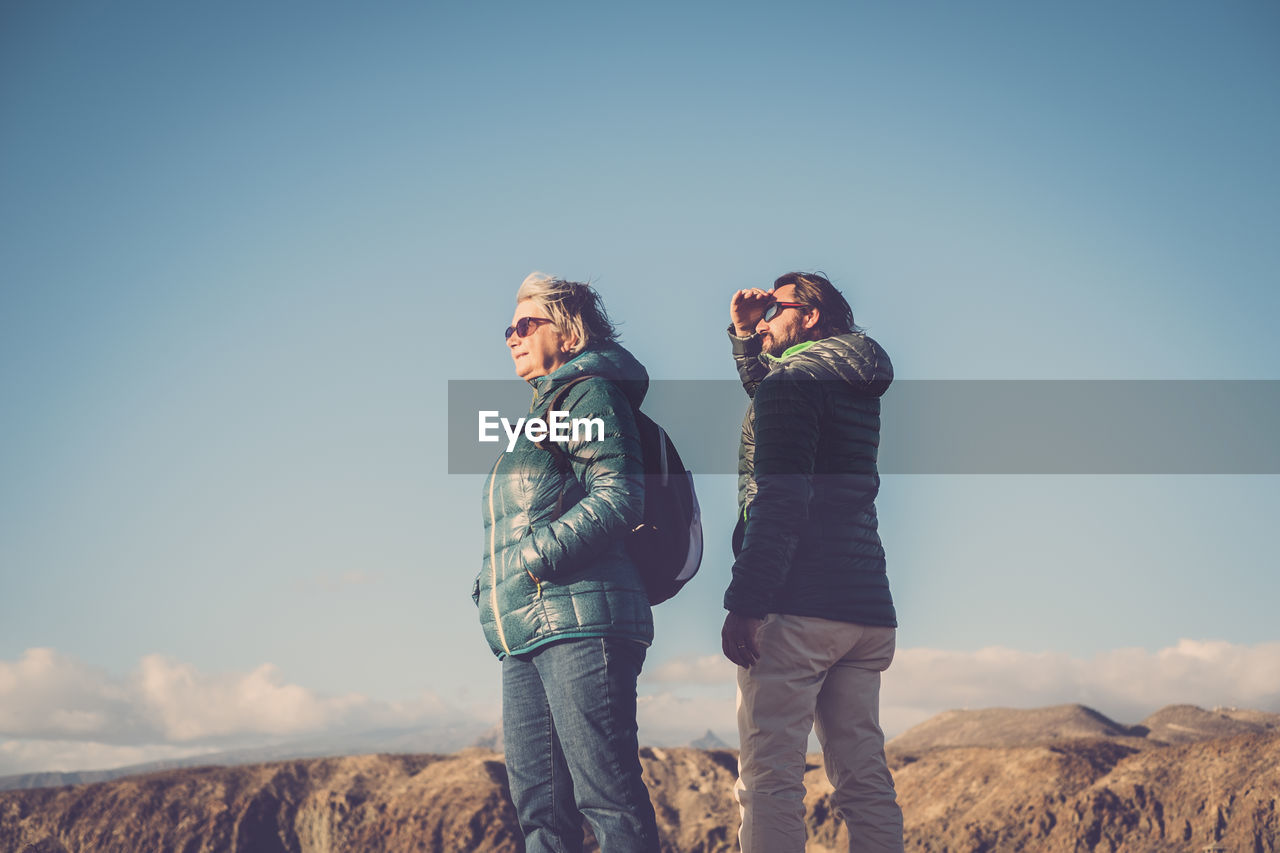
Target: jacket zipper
[{"x": 493, "y": 560}]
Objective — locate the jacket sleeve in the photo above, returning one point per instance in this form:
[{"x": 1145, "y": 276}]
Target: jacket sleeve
[
  {"x": 746, "y": 356},
  {"x": 787, "y": 413},
  {"x": 610, "y": 475}
]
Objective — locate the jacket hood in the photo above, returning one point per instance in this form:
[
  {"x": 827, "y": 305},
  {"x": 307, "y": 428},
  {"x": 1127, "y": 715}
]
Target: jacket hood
[
  {"x": 609, "y": 360},
  {"x": 853, "y": 358}
]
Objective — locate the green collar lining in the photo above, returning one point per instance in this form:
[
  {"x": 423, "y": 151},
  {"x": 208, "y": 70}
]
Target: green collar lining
[{"x": 790, "y": 351}]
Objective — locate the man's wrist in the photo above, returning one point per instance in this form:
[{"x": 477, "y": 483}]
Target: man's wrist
[
  {"x": 744, "y": 611},
  {"x": 748, "y": 345}
]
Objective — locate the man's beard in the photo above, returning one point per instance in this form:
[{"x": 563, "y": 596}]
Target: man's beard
[{"x": 777, "y": 346}]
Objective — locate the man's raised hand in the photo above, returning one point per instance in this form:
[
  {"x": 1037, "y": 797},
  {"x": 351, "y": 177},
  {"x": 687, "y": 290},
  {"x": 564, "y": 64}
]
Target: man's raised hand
[{"x": 746, "y": 308}]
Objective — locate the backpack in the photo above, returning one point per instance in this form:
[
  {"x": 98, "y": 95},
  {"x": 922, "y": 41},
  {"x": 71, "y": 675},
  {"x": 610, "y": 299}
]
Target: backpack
[{"x": 667, "y": 544}]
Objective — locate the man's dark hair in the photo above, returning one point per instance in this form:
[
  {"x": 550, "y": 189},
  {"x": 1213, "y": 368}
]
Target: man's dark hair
[{"x": 814, "y": 289}]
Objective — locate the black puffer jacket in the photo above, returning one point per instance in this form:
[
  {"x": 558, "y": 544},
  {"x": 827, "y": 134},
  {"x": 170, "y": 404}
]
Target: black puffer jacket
[{"x": 808, "y": 542}]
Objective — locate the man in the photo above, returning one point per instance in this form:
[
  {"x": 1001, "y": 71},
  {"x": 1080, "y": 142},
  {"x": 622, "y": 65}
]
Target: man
[{"x": 811, "y": 623}]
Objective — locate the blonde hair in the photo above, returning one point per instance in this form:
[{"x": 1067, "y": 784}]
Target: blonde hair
[{"x": 574, "y": 307}]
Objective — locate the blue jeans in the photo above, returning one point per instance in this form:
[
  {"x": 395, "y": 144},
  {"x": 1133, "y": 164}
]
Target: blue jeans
[{"x": 569, "y": 726}]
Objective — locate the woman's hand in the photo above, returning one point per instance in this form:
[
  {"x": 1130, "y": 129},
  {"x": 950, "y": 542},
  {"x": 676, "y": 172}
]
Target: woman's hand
[{"x": 746, "y": 308}]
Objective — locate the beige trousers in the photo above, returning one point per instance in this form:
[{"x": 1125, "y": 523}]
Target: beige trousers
[{"x": 811, "y": 670}]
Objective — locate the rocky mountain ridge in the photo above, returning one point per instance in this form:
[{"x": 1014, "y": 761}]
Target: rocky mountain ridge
[
  {"x": 1011, "y": 727},
  {"x": 1214, "y": 781}
]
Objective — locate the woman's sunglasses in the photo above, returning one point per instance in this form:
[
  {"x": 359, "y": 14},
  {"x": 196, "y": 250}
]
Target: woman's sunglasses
[
  {"x": 523, "y": 327},
  {"x": 777, "y": 308}
]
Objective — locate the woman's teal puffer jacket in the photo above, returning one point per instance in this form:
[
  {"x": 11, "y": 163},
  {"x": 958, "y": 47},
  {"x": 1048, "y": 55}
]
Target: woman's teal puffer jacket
[{"x": 547, "y": 577}]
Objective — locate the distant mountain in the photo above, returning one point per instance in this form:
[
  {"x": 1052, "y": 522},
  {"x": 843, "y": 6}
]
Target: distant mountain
[
  {"x": 85, "y": 777},
  {"x": 434, "y": 740},
  {"x": 1008, "y": 727},
  {"x": 709, "y": 741},
  {"x": 491, "y": 739},
  {"x": 1188, "y": 724},
  {"x": 1107, "y": 789}
]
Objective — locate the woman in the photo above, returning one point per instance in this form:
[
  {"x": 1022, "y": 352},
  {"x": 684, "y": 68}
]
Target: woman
[{"x": 561, "y": 602}]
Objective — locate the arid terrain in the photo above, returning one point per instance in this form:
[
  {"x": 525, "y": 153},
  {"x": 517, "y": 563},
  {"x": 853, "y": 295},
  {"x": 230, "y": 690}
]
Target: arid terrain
[{"x": 1052, "y": 779}]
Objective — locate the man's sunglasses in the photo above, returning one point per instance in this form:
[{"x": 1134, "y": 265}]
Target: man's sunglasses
[
  {"x": 523, "y": 327},
  {"x": 777, "y": 308}
]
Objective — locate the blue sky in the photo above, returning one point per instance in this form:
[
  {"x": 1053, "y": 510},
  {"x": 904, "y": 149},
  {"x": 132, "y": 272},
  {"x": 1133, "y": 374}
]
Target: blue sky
[{"x": 245, "y": 248}]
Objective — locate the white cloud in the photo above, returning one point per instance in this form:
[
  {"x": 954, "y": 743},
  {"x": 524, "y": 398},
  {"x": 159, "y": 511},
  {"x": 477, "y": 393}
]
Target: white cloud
[
  {"x": 707, "y": 669},
  {"x": 49, "y": 702},
  {"x": 669, "y": 719},
  {"x": 47, "y": 695},
  {"x": 1126, "y": 684},
  {"x": 186, "y": 705}
]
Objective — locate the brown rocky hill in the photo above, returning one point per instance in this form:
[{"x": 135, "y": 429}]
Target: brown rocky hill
[
  {"x": 1012, "y": 727},
  {"x": 1187, "y": 723},
  {"x": 1120, "y": 793}
]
